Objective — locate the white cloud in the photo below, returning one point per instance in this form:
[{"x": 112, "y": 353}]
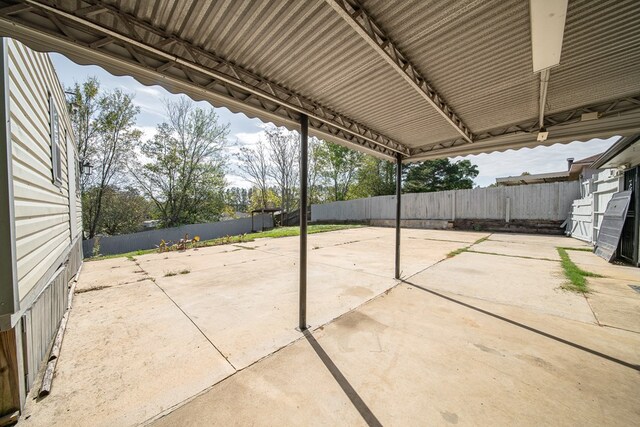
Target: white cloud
[
  {"x": 155, "y": 91},
  {"x": 152, "y": 107},
  {"x": 247, "y": 139},
  {"x": 234, "y": 180},
  {"x": 148, "y": 132}
]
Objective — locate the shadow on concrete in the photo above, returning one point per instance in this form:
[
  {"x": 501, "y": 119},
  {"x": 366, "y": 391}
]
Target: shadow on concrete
[
  {"x": 528, "y": 328},
  {"x": 348, "y": 389}
]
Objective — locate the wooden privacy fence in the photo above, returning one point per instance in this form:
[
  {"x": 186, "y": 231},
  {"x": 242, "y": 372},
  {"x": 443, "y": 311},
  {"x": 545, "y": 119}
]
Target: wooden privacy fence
[{"x": 550, "y": 201}]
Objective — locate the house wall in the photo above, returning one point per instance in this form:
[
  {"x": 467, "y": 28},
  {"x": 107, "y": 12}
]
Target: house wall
[
  {"x": 45, "y": 216},
  {"x": 42, "y": 214}
]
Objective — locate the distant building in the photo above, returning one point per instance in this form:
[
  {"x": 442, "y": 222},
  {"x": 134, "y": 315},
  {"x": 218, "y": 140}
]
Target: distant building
[
  {"x": 150, "y": 224},
  {"x": 576, "y": 170},
  {"x": 236, "y": 215},
  {"x": 41, "y": 215}
]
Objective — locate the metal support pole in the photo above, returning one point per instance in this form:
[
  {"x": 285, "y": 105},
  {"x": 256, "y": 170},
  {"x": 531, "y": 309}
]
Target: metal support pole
[
  {"x": 398, "y": 213},
  {"x": 304, "y": 160}
]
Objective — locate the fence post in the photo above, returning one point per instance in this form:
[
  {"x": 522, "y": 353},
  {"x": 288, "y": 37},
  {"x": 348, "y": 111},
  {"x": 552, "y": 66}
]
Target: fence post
[
  {"x": 453, "y": 205},
  {"x": 594, "y": 217},
  {"x": 508, "y": 210}
]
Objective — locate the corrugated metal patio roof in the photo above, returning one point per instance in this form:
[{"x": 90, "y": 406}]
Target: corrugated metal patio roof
[{"x": 424, "y": 79}]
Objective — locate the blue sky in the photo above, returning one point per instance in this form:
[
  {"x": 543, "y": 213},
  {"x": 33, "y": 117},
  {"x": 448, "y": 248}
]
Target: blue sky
[{"x": 246, "y": 131}]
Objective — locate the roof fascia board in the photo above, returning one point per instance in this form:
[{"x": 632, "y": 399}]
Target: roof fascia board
[
  {"x": 534, "y": 177},
  {"x": 618, "y": 147}
]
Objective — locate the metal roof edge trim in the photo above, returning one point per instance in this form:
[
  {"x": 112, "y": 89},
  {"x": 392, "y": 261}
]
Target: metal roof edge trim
[
  {"x": 532, "y": 177},
  {"x": 624, "y": 124},
  {"x": 618, "y": 147}
]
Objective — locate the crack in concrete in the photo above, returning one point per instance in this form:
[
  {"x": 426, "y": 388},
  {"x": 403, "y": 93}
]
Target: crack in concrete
[
  {"x": 274, "y": 352},
  {"x": 296, "y": 258},
  {"x": 437, "y": 240},
  {"x": 97, "y": 288},
  {"x": 512, "y": 256},
  {"x": 618, "y": 328},
  {"x": 153, "y": 279}
]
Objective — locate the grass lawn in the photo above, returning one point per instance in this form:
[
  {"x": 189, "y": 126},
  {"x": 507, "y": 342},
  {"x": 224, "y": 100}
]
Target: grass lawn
[
  {"x": 295, "y": 231},
  {"x": 227, "y": 240}
]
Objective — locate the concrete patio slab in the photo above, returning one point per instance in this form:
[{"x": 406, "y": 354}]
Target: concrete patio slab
[
  {"x": 376, "y": 256},
  {"x": 445, "y": 235},
  {"x": 561, "y": 241},
  {"x": 602, "y": 285},
  {"x": 128, "y": 354},
  {"x": 591, "y": 262},
  {"x": 528, "y": 250},
  {"x": 528, "y": 283},
  {"x": 108, "y": 272},
  {"x": 413, "y": 358},
  {"x": 248, "y": 309},
  {"x": 284, "y": 246},
  {"x": 623, "y": 313},
  {"x": 615, "y": 303},
  {"x": 472, "y": 339},
  {"x": 203, "y": 259},
  {"x": 371, "y": 253}
]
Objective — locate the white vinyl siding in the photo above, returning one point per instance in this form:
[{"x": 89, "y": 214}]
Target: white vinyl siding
[
  {"x": 56, "y": 142},
  {"x": 42, "y": 206}
]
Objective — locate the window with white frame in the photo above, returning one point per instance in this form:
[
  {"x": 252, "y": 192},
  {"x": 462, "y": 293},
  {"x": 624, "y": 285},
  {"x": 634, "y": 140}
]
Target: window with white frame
[{"x": 56, "y": 158}]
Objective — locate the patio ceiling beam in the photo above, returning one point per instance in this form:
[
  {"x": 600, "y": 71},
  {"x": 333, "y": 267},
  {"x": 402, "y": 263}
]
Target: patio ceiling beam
[
  {"x": 133, "y": 42},
  {"x": 544, "y": 86},
  {"x": 358, "y": 18},
  {"x": 614, "y": 117}
]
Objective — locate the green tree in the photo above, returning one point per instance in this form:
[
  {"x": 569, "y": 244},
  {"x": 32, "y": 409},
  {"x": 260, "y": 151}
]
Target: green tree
[
  {"x": 104, "y": 128},
  {"x": 439, "y": 175},
  {"x": 83, "y": 104},
  {"x": 337, "y": 168},
  {"x": 376, "y": 177},
  {"x": 315, "y": 187},
  {"x": 284, "y": 155},
  {"x": 184, "y": 174},
  {"x": 124, "y": 211},
  {"x": 260, "y": 200},
  {"x": 254, "y": 167},
  {"x": 237, "y": 199}
]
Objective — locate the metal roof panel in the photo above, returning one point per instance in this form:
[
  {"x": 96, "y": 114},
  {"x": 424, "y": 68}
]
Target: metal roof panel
[{"x": 474, "y": 54}]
